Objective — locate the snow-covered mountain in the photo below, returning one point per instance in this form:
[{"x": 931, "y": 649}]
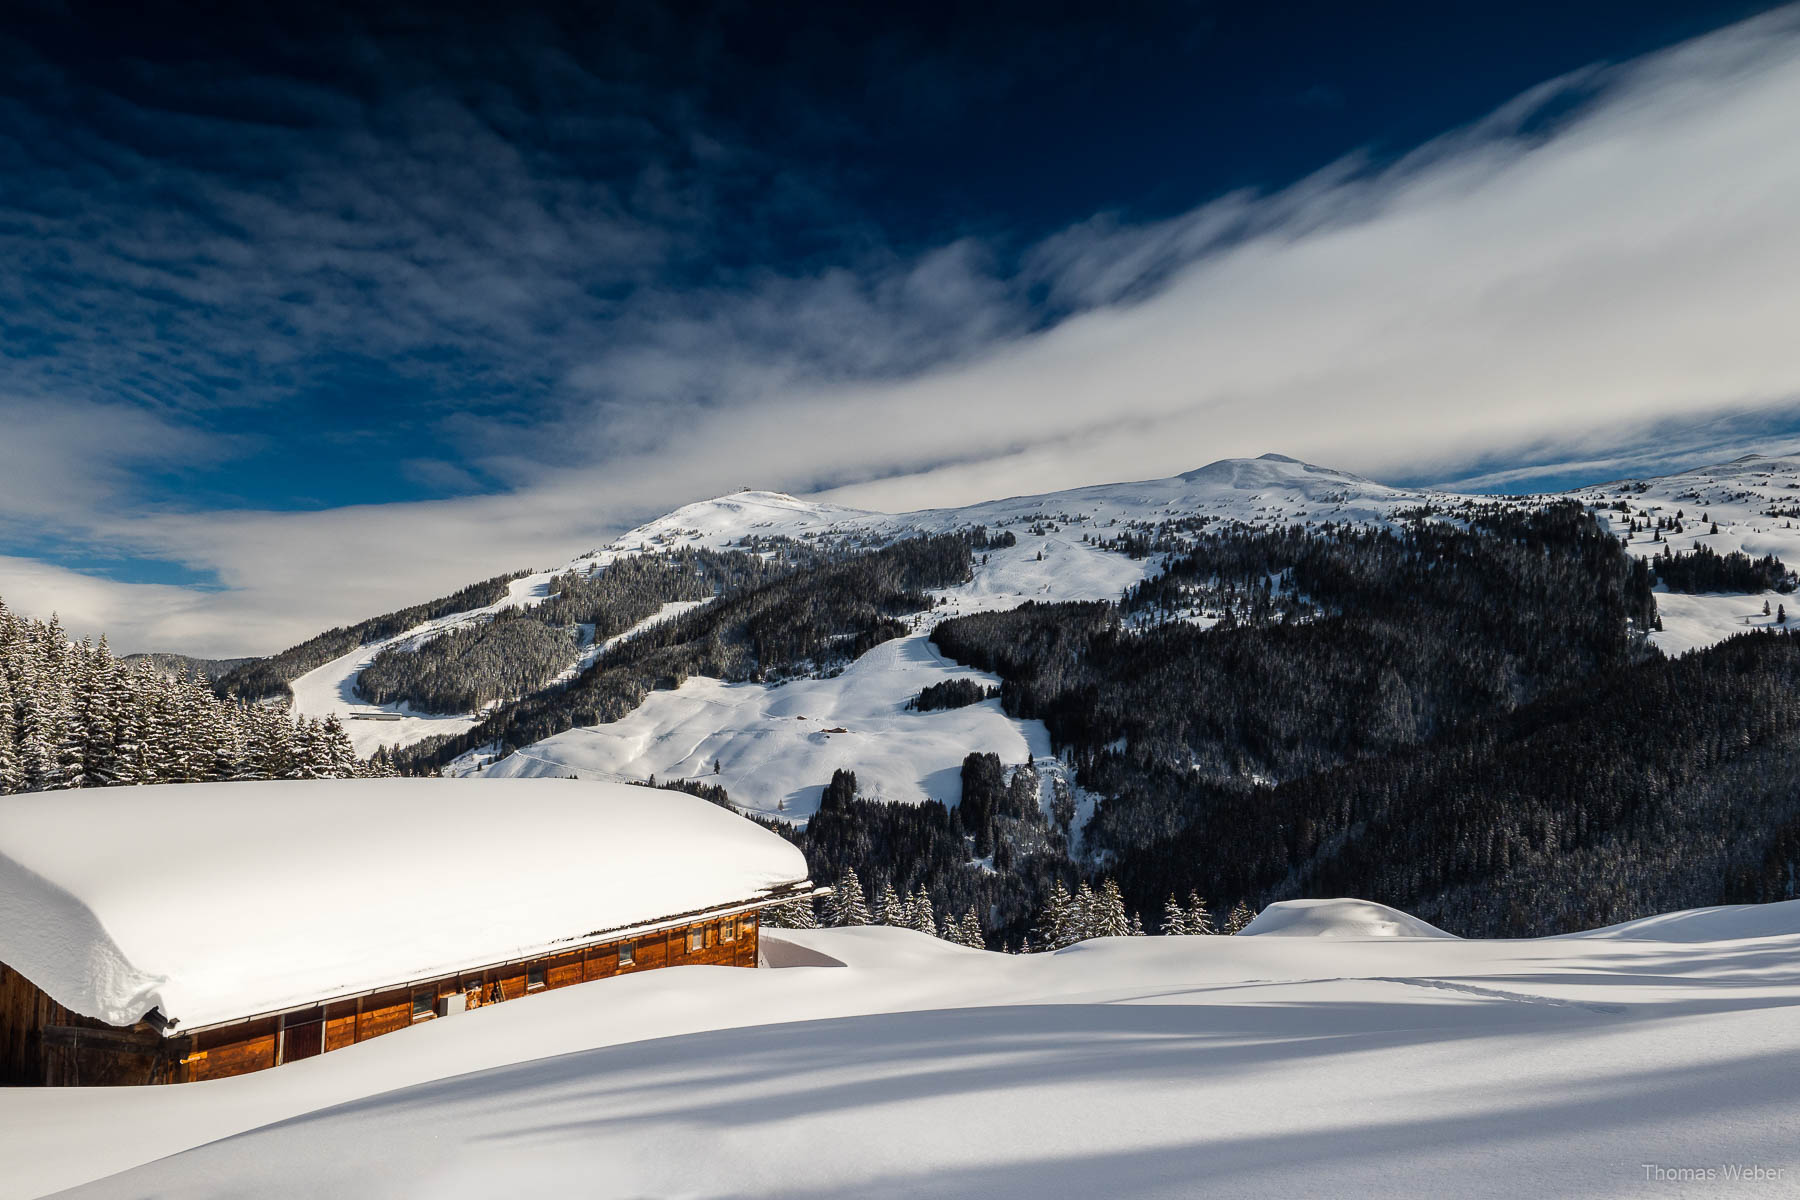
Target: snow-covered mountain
[{"x": 774, "y": 748}]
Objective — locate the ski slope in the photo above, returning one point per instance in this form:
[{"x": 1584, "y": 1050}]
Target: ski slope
[
  {"x": 1327, "y": 1065},
  {"x": 330, "y": 690}
]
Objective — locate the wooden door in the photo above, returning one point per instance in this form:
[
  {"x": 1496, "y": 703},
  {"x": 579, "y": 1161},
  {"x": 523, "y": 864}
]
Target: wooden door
[{"x": 302, "y": 1040}]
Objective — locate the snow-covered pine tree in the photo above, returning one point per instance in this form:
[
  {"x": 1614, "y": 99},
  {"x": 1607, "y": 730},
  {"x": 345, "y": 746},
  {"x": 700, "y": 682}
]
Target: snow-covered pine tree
[
  {"x": 1137, "y": 925},
  {"x": 890, "y": 909},
  {"x": 122, "y": 683},
  {"x": 847, "y": 905},
  {"x": 795, "y": 914},
  {"x": 1084, "y": 917},
  {"x": 1174, "y": 918},
  {"x": 1054, "y": 922},
  {"x": 924, "y": 919},
  {"x": 339, "y": 754},
  {"x": 1109, "y": 912},
  {"x": 41, "y": 722},
  {"x": 9, "y": 755},
  {"x": 1240, "y": 916},
  {"x": 972, "y": 936},
  {"x": 87, "y": 752},
  {"x": 1199, "y": 918}
]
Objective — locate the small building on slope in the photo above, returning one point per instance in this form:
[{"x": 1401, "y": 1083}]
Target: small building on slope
[{"x": 194, "y": 931}]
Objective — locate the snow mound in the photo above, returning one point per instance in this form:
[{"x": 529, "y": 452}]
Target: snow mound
[
  {"x": 1342, "y": 918},
  {"x": 1726, "y": 923},
  {"x": 215, "y": 901}
]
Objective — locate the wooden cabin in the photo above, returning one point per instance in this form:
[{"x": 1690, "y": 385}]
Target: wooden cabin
[{"x": 188, "y": 932}]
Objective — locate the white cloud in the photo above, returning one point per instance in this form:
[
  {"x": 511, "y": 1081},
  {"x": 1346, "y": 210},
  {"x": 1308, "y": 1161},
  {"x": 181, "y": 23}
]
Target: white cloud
[{"x": 1545, "y": 287}]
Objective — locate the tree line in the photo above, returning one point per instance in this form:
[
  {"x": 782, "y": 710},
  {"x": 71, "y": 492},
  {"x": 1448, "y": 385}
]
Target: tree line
[
  {"x": 1706, "y": 570},
  {"x": 73, "y": 716}
]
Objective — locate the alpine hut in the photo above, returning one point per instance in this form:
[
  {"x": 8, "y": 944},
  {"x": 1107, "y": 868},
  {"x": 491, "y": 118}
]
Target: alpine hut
[{"x": 194, "y": 931}]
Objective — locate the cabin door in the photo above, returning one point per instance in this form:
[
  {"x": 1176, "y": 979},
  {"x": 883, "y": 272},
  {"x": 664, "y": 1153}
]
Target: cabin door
[{"x": 303, "y": 1037}]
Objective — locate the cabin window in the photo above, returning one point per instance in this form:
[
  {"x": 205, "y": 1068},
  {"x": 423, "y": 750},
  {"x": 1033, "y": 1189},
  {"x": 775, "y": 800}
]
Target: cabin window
[
  {"x": 627, "y": 954},
  {"x": 534, "y": 978},
  {"x": 728, "y": 931},
  {"x": 424, "y": 1005},
  {"x": 696, "y": 939}
]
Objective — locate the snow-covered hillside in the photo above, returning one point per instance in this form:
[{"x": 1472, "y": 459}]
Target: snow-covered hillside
[
  {"x": 774, "y": 762},
  {"x": 1334, "y": 1065},
  {"x": 1755, "y": 503}
]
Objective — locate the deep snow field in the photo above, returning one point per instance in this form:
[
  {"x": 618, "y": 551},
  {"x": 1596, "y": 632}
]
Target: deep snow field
[{"x": 1343, "y": 1050}]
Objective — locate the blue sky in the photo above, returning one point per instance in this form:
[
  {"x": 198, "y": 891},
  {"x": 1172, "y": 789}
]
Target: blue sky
[{"x": 309, "y": 312}]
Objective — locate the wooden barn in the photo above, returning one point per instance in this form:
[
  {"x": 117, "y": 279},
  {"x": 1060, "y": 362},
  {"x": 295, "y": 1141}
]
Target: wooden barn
[{"x": 186, "y": 932}]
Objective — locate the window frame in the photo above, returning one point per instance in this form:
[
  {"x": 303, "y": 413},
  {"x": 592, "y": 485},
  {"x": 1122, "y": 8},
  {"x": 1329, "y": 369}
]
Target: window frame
[
  {"x": 628, "y": 954},
  {"x": 430, "y": 1007},
  {"x": 536, "y": 978}
]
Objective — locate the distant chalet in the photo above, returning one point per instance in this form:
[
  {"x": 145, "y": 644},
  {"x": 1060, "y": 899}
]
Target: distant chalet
[{"x": 195, "y": 931}]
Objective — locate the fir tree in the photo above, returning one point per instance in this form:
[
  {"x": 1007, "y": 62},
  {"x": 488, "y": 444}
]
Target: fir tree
[
  {"x": 1109, "y": 919},
  {"x": 1174, "y": 920},
  {"x": 924, "y": 920},
  {"x": 1240, "y": 916},
  {"x": 890, "y": 909},
  {"x": 847, "y": 905},
  {"x": 971, "y": 931},
  {"x": 1054, "y": 922},
  {"x": 1199, "y": 919}
]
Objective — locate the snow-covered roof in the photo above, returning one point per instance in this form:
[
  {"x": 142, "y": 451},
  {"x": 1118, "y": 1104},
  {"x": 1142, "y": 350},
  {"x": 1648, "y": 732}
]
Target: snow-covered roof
[{"x": 216, "y": 901}]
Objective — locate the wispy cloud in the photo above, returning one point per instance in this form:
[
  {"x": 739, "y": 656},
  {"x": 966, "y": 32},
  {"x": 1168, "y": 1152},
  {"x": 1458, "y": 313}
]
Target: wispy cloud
[{"x": 1613, "y": 252}]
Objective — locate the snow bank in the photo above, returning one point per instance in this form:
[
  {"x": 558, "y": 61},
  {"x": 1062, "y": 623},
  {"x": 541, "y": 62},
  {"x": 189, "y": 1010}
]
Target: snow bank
[
  {"x": 1728, "y": 922},
  {"x": 221, "y": 900},
  {"x": 1343, "y": 918}
]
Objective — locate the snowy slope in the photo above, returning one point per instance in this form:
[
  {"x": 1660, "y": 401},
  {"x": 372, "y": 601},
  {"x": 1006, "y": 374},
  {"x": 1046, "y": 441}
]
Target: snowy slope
[
  {"x": 1155, "y": 1067},
  {"x": 200, "y": 900},
  {"x": 1755, "y": 502},
  {"x": 330, "y": 690},
  {"x": 776, "y": 747}
]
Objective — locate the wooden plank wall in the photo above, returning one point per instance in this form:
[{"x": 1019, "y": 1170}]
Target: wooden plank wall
[
  {"x": 239, "y": 1049},
  {"x": 41, "y": 1042}
]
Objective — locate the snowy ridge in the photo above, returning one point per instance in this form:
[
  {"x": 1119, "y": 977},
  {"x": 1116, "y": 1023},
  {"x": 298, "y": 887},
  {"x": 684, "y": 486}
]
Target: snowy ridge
[{"x": 196, "y": 899}]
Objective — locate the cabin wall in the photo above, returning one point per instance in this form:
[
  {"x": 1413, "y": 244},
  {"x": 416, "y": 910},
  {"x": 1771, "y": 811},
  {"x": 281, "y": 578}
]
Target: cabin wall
[
  {"x": 41, "y": 1042},
  {"x": 256, "y": 1045}
]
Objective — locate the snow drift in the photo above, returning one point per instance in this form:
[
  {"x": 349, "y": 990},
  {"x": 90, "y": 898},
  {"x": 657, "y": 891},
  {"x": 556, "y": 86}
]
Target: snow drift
[{"x": 1342, "y": 918}]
